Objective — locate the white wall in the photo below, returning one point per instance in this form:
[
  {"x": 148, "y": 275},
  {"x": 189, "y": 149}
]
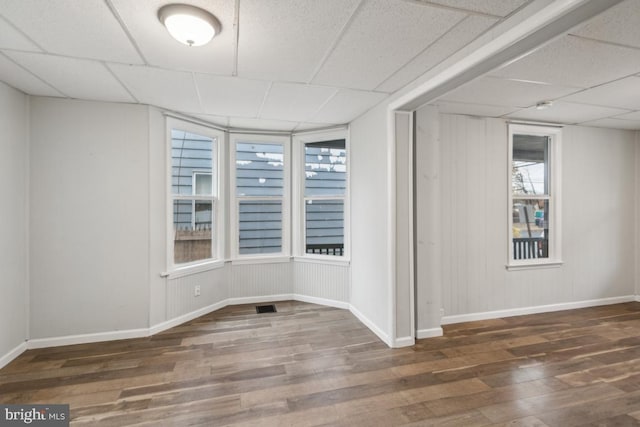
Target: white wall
[
  {"x": 428, "y": 234},
  {"x": 13, "y": 219},
  {"x": 370, "y": 246},
  {"x": 404, "y": 328},
  {"x": 89, "y": 225},
  {"x": 214, "y": 285},
  {"x": 637, "y": 223},
  {"x": 598, "y": 218}
]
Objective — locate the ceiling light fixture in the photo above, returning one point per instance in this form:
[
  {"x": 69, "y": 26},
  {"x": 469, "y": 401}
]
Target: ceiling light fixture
[
  {"x": 189, "y": 24},
  {"x": 543, "y": 105}
]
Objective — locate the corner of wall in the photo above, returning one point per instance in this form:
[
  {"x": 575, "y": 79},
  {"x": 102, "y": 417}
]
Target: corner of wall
[{"x": 637, "y": 215}]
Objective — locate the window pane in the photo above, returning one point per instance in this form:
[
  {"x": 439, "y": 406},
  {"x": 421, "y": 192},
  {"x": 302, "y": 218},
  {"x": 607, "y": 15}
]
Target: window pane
[
  {"x": 530, "y": 165},
  {"x": 324, "y": 227},
  {"x": 259, "y": 169},
  {"x": 204, "y": 184},
  {"x": 325, "y": 168},
  {"x": 190, "y": 153},
  {"x": 530, "y": 229},
  {"x": 192, "y": 224},
  {"x": 260, "y": 227}
]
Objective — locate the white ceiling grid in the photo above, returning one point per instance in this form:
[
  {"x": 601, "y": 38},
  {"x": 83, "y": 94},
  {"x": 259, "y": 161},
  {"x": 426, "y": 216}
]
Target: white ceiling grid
[
  {"x": 80, "y": 29},
  {"x": 18, "y": 77},
  {"x": 371, "y": 49},
  {"x": 277, "y": 64},
  {"x": 300, "y": 34},
  {"x": 175, "y": 90},
  {"x": 300, "y": 64},
  {"x": 591, "y": 75},
  {"x": 76, "y": 78}
]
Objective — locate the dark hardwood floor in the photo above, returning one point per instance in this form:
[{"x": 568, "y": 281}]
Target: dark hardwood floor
[{"x": 314, "y": 365}]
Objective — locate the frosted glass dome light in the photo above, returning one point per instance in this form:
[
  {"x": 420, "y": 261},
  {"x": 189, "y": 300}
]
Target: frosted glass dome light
[{"x": 189, "y": 24}]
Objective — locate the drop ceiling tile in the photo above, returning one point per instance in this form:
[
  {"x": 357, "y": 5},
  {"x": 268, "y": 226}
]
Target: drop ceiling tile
[
  {"x": 614, "y": 124},
  {"x": 620, "y": 24},
  {"x": 623, "y": 93},
  {"x": 287, "y": 39},
  {"x": 567, "y": 113},
  {"x": 346, "y": 105},
  {"x": 473, "y": 109},
  {"x": 15, "y": 76},
  {"x": 161, "y": 50},
  {"x": 79, "y": 28},
  {"x": 460, "y": 35},
  {"x": 262, "y": 124},
  {"x": 510, "y": 93},
  {"x": 295, "y": 102},
  {"x": 174, "y": 90},
  {"x": 231, "y": 96},
  {"x": 572, "y": 61},
  {"x": 76, "y": 78},
  {"x": 491, "y": 7},
  {"x": 383, "y": 36},
  {"x": 629, "y": 116},
  {"x": 11, "y": 38}
]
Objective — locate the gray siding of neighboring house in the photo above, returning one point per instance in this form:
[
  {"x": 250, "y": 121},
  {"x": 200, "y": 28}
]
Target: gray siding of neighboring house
[
  {"x": 260, "y": 173},
  {"x": 190, "y": 154}
]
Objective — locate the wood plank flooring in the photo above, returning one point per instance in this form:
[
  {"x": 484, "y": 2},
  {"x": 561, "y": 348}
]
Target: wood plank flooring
[{"x": 314, "y": 365}]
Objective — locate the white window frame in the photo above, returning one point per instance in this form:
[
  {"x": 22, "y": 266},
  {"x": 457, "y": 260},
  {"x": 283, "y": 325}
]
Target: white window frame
[
  {"x": 284, "y": 254},
  {"x": 554, "y": 250},
  {"x": 299, "y": 199},
  {"x": 217, "y": 186}
]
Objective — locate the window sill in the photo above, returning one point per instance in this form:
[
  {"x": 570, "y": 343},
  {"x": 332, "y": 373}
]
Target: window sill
[
  {"x": 331, "y": 260},
  {"x": 534, "y": 266},
  {"x": 261, "y": 260},
  {"x": 193, "y": 269}
]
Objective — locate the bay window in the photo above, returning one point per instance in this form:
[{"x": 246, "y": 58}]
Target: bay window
[
  {"x": 194, "y": 194},
  {"x": 323, "y": 194},
  {"x": 260, "y": 195}
]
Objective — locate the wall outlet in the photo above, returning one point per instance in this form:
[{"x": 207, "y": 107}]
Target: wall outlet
[{"x": 196, "y": 291}]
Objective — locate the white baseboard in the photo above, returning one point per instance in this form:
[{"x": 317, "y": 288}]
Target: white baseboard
[
  {"x": 398, "y": 342},
  {"x": 404, "y": 342},
  {"x": 472, "y": 317},
  {"x": 287, "y": 297},
  {"x": 87, "y": 338},
  {"x": 12, "y": 354},
  {"x": 140, "y": 333},
  {"x": 321, "y": 301},
  {"x": 255, "y": 300},
  {"x": 429, "y": 333},
  {"x": 186, "y": 317},
  {"x": 372, "y": 326}
]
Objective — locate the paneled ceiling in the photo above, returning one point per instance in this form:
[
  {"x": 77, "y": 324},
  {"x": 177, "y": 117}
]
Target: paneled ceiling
[
  {"x": 277, "y": 64},
  {"x": 591, "y": 75},
  {"x": 301, "y": 64}
]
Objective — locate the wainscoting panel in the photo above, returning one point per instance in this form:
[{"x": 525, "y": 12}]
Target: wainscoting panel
[
  {"x": 256, "y": 280},
  {"x": 325, "y": 281},
  {"x": 181, "y": 298}
]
